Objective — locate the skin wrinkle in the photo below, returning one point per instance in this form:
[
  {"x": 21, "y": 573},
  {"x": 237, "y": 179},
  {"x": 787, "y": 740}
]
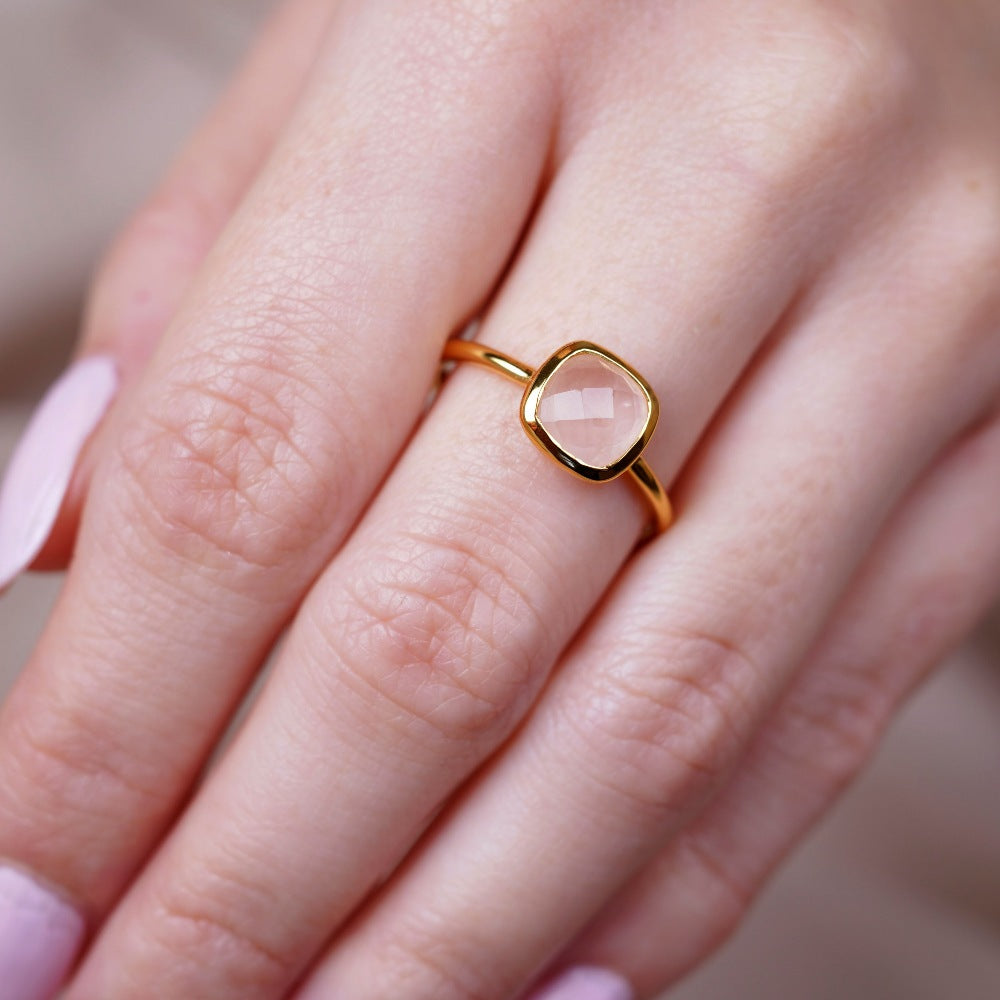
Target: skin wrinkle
[
  {"x": 225, "y": 884},
  {"x": 441, "y": 651},
  {"x": 175, "y": 518},
  {"x": 686, "y": 755},
  {"x": 844, "y": 721},
  {"x": 742, "y": 894},
  {"x": 57, "y": 770},
  {"x": 285, "y": 432},
  {"x": 411, "y": 957},
  {"x": 242, "y": 954}
]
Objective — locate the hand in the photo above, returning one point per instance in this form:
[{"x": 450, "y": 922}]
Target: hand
[{"x": 545, "y": 751}]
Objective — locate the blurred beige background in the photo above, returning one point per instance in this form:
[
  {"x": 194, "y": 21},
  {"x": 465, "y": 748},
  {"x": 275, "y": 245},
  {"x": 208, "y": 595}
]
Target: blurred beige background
[{"x": 896, "y": 897}]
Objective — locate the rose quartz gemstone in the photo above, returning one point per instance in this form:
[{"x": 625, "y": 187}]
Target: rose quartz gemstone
[{"x": 593, "y": 410}]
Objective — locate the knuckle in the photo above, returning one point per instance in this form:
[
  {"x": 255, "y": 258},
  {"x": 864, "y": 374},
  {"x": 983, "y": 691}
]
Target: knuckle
[
  {"x": 663, "y": 732},
  {"x": 64, "y": 761},
  {"x": 417, "y": 960},
  {"x": 729, "y": 893},
  {"x": 859, "y": 75},
  {"x": 833, "y": 720},
  {"x": 831, "y": 729},
  {"x": 222, "y": 462},
  {"x": 809, "y": 83},
  {"x": 194, "y": 928},
  {"x": 438, "y": 632}
]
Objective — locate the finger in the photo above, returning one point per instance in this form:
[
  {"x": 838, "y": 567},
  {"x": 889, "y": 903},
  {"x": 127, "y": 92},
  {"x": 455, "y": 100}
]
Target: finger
[
  {"x": 278, "y": 398},
  {"x": 140, "y": 284},
  {"x": 656, "y": 701},
  {"x": 424, "y": 644},
  {"x": 931, "y": 577}
]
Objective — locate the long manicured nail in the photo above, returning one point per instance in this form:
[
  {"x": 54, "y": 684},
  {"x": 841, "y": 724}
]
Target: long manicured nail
[
  {"x": 586, "y": 982},
  {"x": 40, "y": 935},
  {"x": 42, "y": 467}
]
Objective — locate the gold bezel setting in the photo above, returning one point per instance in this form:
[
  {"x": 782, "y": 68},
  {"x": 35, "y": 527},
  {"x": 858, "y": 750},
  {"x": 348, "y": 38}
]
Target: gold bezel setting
[{"x": 536, "y": 431}]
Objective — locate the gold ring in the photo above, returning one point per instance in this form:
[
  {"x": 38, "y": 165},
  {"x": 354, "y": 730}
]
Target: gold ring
[{"x": 586, "y": 409}]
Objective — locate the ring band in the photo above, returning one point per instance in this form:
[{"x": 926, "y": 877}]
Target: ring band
[{"x": 586, "y": 409}]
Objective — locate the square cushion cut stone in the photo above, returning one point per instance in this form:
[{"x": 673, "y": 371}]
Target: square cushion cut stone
[{"x": 594, "y": 410}]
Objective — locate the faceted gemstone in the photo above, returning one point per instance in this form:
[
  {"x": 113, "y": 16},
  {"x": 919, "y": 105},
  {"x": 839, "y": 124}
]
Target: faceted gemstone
[{"x": 593, "y": 409}]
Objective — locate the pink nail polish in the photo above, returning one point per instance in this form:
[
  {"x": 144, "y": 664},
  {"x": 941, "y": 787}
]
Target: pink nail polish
[
  {"x": 42, "y": 466},
  {"x": 40, "y": 935},
  {"x": 586, "y": 982}
]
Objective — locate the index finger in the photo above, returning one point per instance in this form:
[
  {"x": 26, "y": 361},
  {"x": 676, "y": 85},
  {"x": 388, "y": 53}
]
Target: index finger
[
  {"x": 139, "y": 286},
  {"x": 273, "y": 408}
]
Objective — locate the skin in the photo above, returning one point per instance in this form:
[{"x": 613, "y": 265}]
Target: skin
[{"x": 496, "y": 740}]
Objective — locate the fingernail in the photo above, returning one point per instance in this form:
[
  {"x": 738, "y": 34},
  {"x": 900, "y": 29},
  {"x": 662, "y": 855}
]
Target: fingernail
[
  {"x": 41, "y": 468},
  {"x": 586, "y": 982},
  {"x": 39, "y": 938}
]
